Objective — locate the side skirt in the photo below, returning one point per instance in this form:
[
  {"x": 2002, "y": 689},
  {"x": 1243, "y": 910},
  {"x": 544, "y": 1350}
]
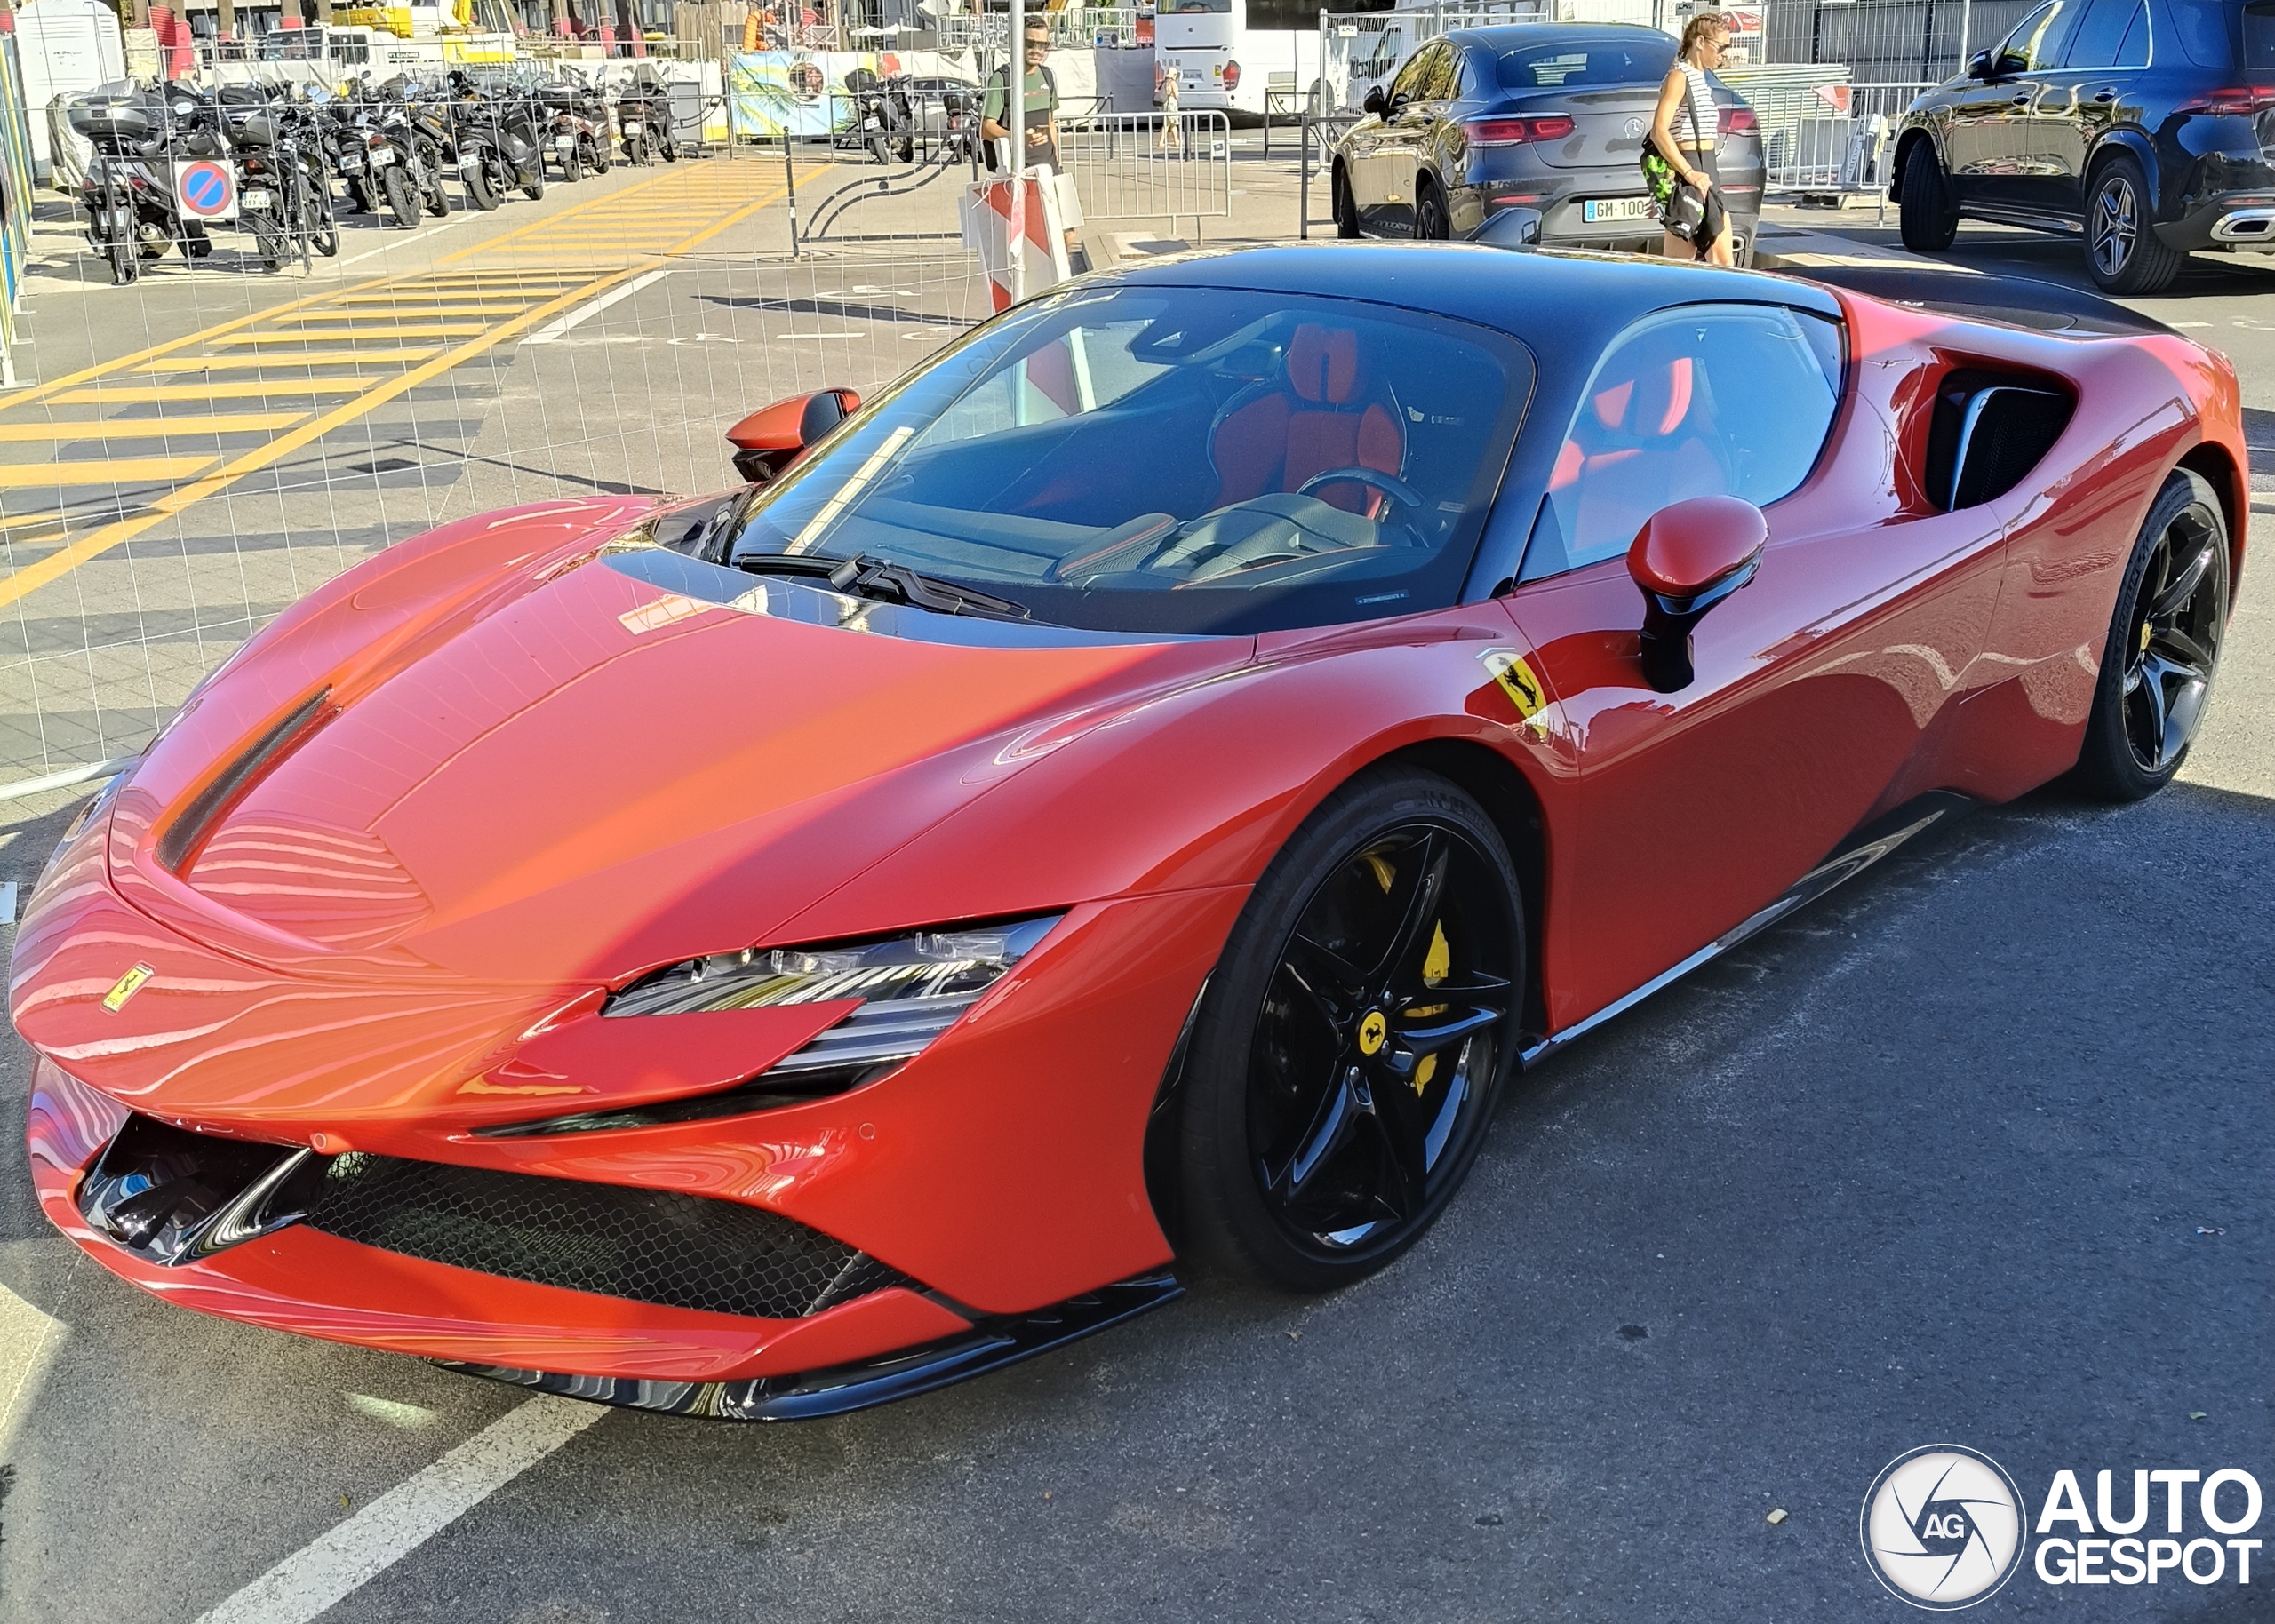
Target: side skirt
[
  {"x": 1855, "y": 855},
  {"x": 807, "y": 1396}
]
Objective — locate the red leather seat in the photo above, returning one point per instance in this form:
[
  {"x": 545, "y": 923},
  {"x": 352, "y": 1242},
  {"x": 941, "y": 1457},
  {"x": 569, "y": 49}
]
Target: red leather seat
[
  {"x": 1328, "y": 413},
  {"x": 1645, "y": 438}
]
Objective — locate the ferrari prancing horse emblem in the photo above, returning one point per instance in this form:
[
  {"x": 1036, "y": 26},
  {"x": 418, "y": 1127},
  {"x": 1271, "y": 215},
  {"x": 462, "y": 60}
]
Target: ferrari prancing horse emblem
[
  {"x": 1372, "y": 1031},
  {"x": 126, "y": 986},
  {"x": 1508, "y": 668}
]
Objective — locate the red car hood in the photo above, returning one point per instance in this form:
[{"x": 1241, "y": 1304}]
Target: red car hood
[{"x": 520, "y": 771}]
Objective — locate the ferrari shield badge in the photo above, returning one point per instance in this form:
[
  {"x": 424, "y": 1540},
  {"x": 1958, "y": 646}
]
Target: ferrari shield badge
[
  {"x": 1507, "y": 668},
  {"x": 126, "y": 986}
]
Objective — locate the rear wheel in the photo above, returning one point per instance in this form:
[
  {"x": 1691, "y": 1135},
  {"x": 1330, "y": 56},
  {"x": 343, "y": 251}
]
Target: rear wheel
[
  {"x": 2164, "y": 646},
  {"x": 1346, "y": 207},
  {"x": 403, "y": 202},
  {"x": 478, "y": 191},
  {"x": 268, "y": 241},
  {"x": 1432, "y": 223},
  {"x": 534, "y": 189},
  {"x": 1343, "y": 1069},
  {"x": 1926, "y": 213},
  {"x": 2123, "y": 252}
]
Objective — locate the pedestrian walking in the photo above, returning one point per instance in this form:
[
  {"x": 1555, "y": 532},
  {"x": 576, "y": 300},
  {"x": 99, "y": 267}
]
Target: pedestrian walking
[
  {"x": 1172, "y": 136},
  {"x": 1679, "y": 158}
]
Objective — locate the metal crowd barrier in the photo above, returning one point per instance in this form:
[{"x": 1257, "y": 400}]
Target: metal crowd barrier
[
  {"x": 1077, "y": 27},
  {"x": 1150, "y": 165}
]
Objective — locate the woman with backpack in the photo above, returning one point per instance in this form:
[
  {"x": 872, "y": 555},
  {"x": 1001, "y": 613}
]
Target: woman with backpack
[{"x": 1679, "y": 157}]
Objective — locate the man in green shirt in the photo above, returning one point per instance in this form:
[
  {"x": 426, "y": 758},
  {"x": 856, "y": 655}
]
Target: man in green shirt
[{"x": 1040, "y": 111}]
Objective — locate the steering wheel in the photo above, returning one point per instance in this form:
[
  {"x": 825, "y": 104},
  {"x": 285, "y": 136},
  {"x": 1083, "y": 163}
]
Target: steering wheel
[{"x": 1396, "y": 489}]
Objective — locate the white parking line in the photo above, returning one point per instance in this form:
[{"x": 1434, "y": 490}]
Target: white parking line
[
  {"x": 398, "y": 1521},
  {"x": 585, "y": 311}
]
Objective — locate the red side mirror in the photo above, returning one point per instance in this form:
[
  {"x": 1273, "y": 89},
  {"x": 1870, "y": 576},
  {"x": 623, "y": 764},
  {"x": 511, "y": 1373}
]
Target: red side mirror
[
  {"x": 774, "y": 437},
  {"x": 1688, "y": 557}
]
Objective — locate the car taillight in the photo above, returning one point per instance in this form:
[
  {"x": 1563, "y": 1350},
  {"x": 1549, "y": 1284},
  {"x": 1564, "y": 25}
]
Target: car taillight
[
  {"x": 1740, "y": 121},
  {"x": 1515, "y": 131},
  {"x": 1232, "y": 76},
  {"x": 2232, "y": 99}
]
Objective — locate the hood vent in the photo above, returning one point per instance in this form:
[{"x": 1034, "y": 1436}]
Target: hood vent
[{"x": 187, "y": 832}]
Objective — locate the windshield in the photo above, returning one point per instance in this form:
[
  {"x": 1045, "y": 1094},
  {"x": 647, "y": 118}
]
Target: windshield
[
  {"x": 1174, "y": 459},
  {"x": 1586, "y": 62}
]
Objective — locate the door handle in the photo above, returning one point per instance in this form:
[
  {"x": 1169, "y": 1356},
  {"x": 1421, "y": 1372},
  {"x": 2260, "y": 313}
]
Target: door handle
[
  {"x": 2104, "y": 96},
  {"x": 2022, "y": 100}
]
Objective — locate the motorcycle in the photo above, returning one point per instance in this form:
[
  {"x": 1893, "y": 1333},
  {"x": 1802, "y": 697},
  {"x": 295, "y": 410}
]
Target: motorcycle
[
  {"x": 643, "y": 113},
  {"x": 128, "y": 192},
  {"x": 881, "y": 120},
  {"x": 498, "y": 142},
  {"x": 408, "y": 162},
  {"x": 577, "y": 129}
]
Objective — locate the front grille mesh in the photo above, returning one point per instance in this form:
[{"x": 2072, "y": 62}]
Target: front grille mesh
[{"x": 650, "y": 1246}]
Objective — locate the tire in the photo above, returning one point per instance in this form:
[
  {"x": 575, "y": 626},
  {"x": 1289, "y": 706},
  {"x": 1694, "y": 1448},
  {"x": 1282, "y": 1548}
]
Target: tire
[
  {"x": 125, "y": 264},
  {"x": 1302, "y": 1165},
  {"x": 2124, "y": 255},
  {"x": 572, "y": 164},
  {"x": 403, "y": 202},
  {"x": 534, "y": 189},
  {"x": 437, "y": 200},
  {"x": 2164, "y": 646},
  {"x": 324, "y": 230},
  {"x": 479, "y": 194},
  {"x": 602, "y": 155},
  {"x": 1341, "y": 204},
  {"x": 1926, "y": 213},
  {"x": 269, "y": 242},
  {"x": 632, "y": 149},
  {"x": 1433, "y": 222},
  {"x": 670, "y": 150}
]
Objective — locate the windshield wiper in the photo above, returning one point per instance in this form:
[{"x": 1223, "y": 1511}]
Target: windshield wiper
[{"x": 864, "y": 577}]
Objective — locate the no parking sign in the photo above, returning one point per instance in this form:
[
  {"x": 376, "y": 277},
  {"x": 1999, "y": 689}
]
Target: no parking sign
[{"x": 207, "y": 190}]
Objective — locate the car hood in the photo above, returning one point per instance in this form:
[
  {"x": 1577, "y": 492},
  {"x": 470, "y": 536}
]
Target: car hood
[{"x": 585, "y": 763}]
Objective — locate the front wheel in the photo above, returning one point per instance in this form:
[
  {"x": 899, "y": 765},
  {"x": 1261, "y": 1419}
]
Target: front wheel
[
  {"x": 572, "y": 164},
  {"x": 2123, "y": 252},
  {"x": 478, "y": 189},
  {"x": 1343, "y": 1069},
  {"x": 533, "y": 188},
  {"x": 1344, "y": 207},
  {"x": 2164, "y": 644},
  {"x": 1925, "y": 214}
]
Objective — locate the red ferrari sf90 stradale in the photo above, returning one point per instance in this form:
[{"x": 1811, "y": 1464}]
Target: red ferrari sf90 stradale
[{"x": 1139, "y": 787}]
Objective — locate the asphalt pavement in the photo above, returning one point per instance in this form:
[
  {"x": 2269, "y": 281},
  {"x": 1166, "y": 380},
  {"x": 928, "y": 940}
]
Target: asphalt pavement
[{"x": 1975, "y": 1150}]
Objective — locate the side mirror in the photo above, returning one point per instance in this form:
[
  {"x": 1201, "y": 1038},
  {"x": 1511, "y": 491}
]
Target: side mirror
[
  {"x": 1688, "y": 557},
  {"x": 1375, "y": 102},
  {"x": 1978, "y": 67},
  {"x": 774, "y": 437}
]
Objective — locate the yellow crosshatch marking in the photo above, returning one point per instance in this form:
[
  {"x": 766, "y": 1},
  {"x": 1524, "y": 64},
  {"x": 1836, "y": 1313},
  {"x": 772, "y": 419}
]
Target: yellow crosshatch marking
[
  {"x": 126, "y": 987},
  {"x": 110, "y": 471},
  {"x": 148, "y": 428},
  {"x": 310, "y": 358},
  {"x": 115, "y": 394}
]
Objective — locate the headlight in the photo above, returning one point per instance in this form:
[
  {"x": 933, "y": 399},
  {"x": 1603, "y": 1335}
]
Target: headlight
[{"x": 911, "y": 988}]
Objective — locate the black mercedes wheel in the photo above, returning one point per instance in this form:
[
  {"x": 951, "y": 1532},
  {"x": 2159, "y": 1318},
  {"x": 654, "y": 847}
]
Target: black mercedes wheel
[
  {"x": 1926, "y": 215},
  {"x": 2123, "y": 250},
  {"x": 1342, "y": 1072},
  {"x": 1432, "y": 223},
  {"x": 2164, "y": 646}
]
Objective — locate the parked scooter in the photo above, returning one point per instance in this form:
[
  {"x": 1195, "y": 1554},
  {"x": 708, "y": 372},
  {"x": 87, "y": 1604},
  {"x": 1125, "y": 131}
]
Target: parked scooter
[
  {"x": 498, "y": 144},
  {"x": 128, "y": 194},
  {"x": 643, "y": 113},
  {"x": 881, "y": 121}
]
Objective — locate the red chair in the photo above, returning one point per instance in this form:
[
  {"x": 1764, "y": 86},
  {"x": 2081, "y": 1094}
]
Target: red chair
[{"x": 1328, "y": 413}]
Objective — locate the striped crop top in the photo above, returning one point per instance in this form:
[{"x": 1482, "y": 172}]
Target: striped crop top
[{"x": 1697, "y": 103}]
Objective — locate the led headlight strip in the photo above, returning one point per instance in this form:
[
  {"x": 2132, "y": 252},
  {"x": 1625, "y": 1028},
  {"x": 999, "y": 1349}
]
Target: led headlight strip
[{"x": 912, "y": 989}]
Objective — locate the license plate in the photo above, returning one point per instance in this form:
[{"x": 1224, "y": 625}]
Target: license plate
[
  {"x": 471, "y": 163},
  {"x": 563, "y": 143},
  {"x": 381, "y": 158},
  {"x": 256, "y": 197},
  {"x": 1616, "y": 209},
  {"x": 349, "y": 161}
]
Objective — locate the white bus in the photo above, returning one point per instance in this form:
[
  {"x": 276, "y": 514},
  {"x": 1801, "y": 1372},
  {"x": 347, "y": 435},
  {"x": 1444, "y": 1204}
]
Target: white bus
[{"x": 1227, "y": 53}]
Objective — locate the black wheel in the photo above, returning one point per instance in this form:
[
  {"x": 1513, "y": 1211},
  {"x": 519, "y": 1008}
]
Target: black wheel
[
  {"x": 322, "y": 229},
  {"x": 600, "y": 156},
  {"x": 403, "y": 201},
  {"x": 438, "y": 201},
  {"x": 671, "y": 150},
  {"x": 195, "y": 244},
  {"x": 479, "y": 193},
  {"x": 534, "y": 189},
  {"x": 631, "y": 147},
  {"x": 1432, "y": 221},
  {"x": 269, "y": 242},
  {"x": 2164, "y": 646},
  {"x": 1926, "y": 213},
  {"x": 1344, "y": 1067},
  {"x": 1344, "y": 207},
  {"x": 2123, "y": 252},
  {"x": 572, "y": 164},
  {"x": 126, "y": 265}
]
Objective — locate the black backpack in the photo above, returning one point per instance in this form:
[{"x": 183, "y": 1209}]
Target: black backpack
[{"x": 988, "y": 149}]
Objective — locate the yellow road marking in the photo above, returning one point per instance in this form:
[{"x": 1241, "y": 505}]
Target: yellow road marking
[
  {"x": 32, "y": 576},
  {"x": 120, "y": 394},
  {"x": 313, "y": 358},
  {"x": 430, "y": 329},
  {"x": 150, "y": 428},
  {"x": 112, "y": 470},
  {"x": 400, "y": 309}
]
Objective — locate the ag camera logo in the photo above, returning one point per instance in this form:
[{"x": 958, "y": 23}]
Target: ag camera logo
[{"x": 1942, "y": 1527}]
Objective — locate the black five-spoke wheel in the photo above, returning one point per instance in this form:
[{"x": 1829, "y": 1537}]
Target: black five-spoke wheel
[
  {"x": 1344, "y": 1069},
  {"x": 2164, "y": 646}
]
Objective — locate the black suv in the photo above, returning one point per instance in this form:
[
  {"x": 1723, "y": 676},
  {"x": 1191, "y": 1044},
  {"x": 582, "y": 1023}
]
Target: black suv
[{"x": 2142, "y": 125}]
